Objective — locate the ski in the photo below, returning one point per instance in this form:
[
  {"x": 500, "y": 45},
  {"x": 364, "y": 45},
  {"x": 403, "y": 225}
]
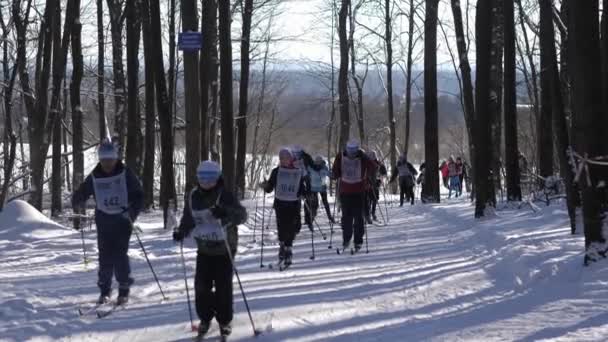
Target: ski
[
  {"x": 284, "y": 267},
  {"x": 84, "y": 311},
  {"x": 114, "y": 308}
]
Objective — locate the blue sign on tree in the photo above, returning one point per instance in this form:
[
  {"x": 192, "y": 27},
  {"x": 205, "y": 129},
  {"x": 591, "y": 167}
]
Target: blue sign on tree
[{"x": 190, "y": 41}]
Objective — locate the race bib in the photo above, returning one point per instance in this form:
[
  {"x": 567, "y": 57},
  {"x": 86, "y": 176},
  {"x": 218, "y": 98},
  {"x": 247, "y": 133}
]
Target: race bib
[
  {"x": 351, "y": 170},
  {"x": 288, "y": 184},
  {"x": 111, "y": 194},
  {"x": 404, "y": 171},
  {"x": 207, "y": 227}
]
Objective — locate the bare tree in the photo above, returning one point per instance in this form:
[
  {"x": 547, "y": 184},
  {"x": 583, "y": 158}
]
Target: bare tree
[
  {"x": 343, "y": 74},
  {"x": 150, "y": 117},
  {"x": 189, "y": 10},
  {"x": 431, "y": 139},
  {"x": 133, "y": 151},
  {"x": 101, "y": 102},
  {"x": 225, "y": 18},
  {"x": 77, "y": 117},
  {"x": 117, "y": 20}
]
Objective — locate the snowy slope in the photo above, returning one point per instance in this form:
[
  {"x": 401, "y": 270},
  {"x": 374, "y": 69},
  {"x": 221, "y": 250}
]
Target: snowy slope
[{"x": 433, "y": 273}]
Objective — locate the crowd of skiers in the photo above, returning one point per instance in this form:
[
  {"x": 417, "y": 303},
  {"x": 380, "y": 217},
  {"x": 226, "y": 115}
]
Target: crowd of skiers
[{"x": 212, "y": 213}]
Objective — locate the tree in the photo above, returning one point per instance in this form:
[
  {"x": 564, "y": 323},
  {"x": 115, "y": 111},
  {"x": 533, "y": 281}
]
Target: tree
[
  {"x": 241, "y": 122},
  {"x": 227, "y": 123},
  {"x": 150, "y": 117},
  {"x": 116, "y": 27},
  {"x": 56, "y": 177},
  {"x": 408, "y": 82},
  {"x": 431, "y": 132},
  {"x": 496, "y": 98},
  {"x": 343, "y": 74},
  {"x": 77, "y": 120},
  {"x": 510, "y": 103},
  {"x": 101, "y": 105},
  {"x": 544, "y": 124},
  {"x": 189, "y": 10},
  {"x": 167, "y": 178},
  {"x": 209, "y": 29},
  {"x": 388, "y": 42},
  {"x": 481, "y": 133},
  {"x": 133, "y": 150},
  {"x": 584, "y": 49}
]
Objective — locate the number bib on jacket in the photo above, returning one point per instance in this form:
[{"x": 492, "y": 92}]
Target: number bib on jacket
[
  {"x": 404, "y": 171},
  {"x": 111, "y": 194},
  {"x": 288, "y": 184},
  {"x": 351, "y": 170},
  {"x": 207, "y": 227}
]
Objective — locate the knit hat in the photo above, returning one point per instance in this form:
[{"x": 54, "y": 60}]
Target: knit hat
[
  {"x": 208, "y": 171},
  {"x": 352, "y": 147},
  {"x": 107, "y": 150}
]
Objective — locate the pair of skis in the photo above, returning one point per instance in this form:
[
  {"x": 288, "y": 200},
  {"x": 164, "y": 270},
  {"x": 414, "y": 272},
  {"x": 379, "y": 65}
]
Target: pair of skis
[
  {"x": 101, "y": 310},
  {"x": 353, "y": 251}
]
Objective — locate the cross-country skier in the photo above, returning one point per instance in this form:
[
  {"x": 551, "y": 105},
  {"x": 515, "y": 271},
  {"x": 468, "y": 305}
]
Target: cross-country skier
[
  {"x": 407, "y": 175},
  {"x": 119, "y": 199},
  {"x": 421, "y": 182},
  {"x": 353, "y": 168},
  {"x": 454, "y": 174},
  {"x": 445, "y": 174},
  {"x": 287, "y": 182},
  {"x": 319, "y": 174},
  {"x": 303, "y": 161},
  {"x": 211, "y": 216},
  {"x": 375, "y": 178}
]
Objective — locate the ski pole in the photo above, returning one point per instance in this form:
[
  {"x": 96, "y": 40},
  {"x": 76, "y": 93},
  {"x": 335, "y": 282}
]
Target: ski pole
[
  {"x": 331, "y": 226},
  {"x": 263, "y": 217},
  {"x": 181, "y": 249},
  {"x": 365, "y": 230},
  {"x": 236, "y": 272},
  {"x": 385, "y": 205},
  {"x": 148, "y": 261},
  {"x": 255, "y": 218},
  {"x": 314, "y": 221}
]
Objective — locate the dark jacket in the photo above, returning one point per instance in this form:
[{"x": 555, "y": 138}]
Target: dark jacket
[
  {"x": 206, "y": 199},
  {"x": 134, "y": 191},
  {"x": 367, "y": 167},
  {"x": 409, "y": 166}
]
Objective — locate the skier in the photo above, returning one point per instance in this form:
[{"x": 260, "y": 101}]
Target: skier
[
  {"x": 319, "y": 173},
  {"x": 211, "y": 216},
  {"x": 445, "y": 174},
  {"x": 353, "y": 168},
  {"x": 373, "y": 195},
  {"x": 454, "y": 174},
  {"x": 407, "y": 175},
  {"x": 289, "y": 187},
  {"x": 119, "y": 200},
  {"x": 462, "y": 173},
  {"x": 304, "y": 161},
  {"x": 421, "y": 182}
]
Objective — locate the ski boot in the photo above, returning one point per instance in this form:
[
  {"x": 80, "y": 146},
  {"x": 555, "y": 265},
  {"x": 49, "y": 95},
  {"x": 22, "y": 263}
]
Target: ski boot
[
  {"x": 123, "y": 297},
  {"x": 358, "y": 247},
  {"x": 203, "y": 329},
  {"x": 368, "y": 219},
  {"x": 103, "y": 299},
  {"x": 225, "y": 330}
]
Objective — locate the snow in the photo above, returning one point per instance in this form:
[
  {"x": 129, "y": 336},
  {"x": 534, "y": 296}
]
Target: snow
[
  {"x": 19, "y": 221},
  {"x": 434, "y": 273}
]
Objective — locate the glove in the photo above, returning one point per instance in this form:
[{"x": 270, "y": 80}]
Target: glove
[
  {"x": 263, "y": 185},
  {"x": 178, "y": 235},
  {"x": 219, "y": 212}
]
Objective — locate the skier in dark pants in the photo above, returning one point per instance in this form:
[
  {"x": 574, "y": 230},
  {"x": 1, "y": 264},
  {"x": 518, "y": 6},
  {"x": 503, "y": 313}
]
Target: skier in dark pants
[
  {"x": 119, "y": 199},
  {"x": 353, "y": 168},
  {"x": 375, "y": 179},
  {"x": 288, "y": 184},
  {"x": 407, "y": 174},
  {"x": 319, "y": 173},
  {"x": 211, "y": 216},
  {"x": 303, "y": 161}
]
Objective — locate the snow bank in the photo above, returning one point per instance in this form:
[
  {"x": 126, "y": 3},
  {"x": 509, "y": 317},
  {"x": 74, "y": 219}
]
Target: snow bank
[{"x": 20, "y": 221}]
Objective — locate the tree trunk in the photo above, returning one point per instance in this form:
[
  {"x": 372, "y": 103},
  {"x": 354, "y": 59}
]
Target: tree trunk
[
  {"x": 343, "y": 74},
  {"x": 214, "y": 81},
  {"x": 133, "y": 118},
  {"x": 431, "y": 131},
  {"x": 584, "y": 49},
  {"x": 167, "y": 178},
  {"x": 408, "y": 84},
  {"x": 388, "y": 36},
  {"x": 510, "y": 103},
  {"x": 171, "y": 76},
  {"x": 227, "y": 123},
  {"x": 544, "y": 125},
  {"x": 77, "y": 119},
  {"x": 189, "y": 10},
  {"x": 208, "y": 25},
  {"x": 241, "y": 122},
  {"x": 56, "y": 181},
  {"x": 358, "y": 83},
  {"x": 496, "y": 98},
  {"x": 150, "y": 131},
  {"x": 101, "y": 101},
  {"x": 116, "y": 28},
  {"x": 481, "y": 134},
  {"x": 465, "y": 71}
]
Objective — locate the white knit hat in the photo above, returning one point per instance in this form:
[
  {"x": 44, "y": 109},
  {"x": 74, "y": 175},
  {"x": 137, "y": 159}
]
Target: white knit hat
[{"x": 107, "y": 150}]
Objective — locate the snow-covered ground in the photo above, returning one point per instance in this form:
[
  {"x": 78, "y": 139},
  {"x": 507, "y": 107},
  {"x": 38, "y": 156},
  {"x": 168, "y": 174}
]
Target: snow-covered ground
[{"x": 433, "y": 273}]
